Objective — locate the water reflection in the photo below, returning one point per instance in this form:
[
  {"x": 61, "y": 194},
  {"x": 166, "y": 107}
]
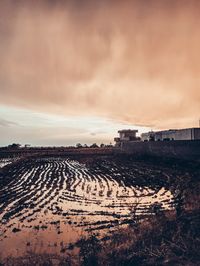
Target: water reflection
[{"x": 50, "y": 203}]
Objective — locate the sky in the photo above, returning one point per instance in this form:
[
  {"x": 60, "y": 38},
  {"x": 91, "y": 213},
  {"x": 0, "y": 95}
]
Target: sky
[{"x": 77, "y": 71}]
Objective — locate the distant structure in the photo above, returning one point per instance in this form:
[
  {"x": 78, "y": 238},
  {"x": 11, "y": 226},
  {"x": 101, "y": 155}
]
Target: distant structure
[
  {"x": 172, "y": 143},
  {"x": 129, "y": 135},
  {"x": 125, "y": 136},
  {"x": 172, "y": 134},
  {"x": 27, "y": 146},
  {"x": 148, "y": 136}
]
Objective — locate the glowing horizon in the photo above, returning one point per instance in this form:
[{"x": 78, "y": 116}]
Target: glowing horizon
[
  {"x": 119, "y": 63},
  {"x": 40, "y": 129}
]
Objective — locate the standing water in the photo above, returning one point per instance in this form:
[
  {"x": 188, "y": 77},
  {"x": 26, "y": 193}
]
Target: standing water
[{"x": 46, "y": 204}]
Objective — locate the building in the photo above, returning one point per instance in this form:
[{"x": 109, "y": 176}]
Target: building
[
  {"x": 129, "y": 135},
  {"x": 172, "y": 134},
  {"x": 172, "y": 143},
  {"x": 126, "y": 135},
  {"x": 148, "y": 136}
]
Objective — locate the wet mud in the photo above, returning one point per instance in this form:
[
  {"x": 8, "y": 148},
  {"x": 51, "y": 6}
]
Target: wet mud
[{"x": 46, "y": 204}]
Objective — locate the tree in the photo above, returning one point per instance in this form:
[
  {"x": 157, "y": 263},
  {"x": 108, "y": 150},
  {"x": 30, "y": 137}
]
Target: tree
[
  {"x": 79, "y": 145},
  {"x": 85, "y": 146},
  {"x": 94, "y": 145},
  {"x": 14, "y": 146}
]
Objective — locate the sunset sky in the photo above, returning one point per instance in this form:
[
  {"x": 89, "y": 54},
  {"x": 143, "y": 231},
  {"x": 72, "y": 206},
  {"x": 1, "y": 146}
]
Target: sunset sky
[{"x": 77, "y": 71}]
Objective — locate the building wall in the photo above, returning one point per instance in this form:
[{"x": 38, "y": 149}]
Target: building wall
[
  {"x": 144, "y": 136},
  {"x": 127, "y": 135},
  {"x": 158, "y": 136},
  {"x": 182, "y": 149},
  {"x": 147, "y": 136},
  {"x": 197, "y": 133},
  {"x": 167, "y": 134},
  {"x": 182, "y": 134}
]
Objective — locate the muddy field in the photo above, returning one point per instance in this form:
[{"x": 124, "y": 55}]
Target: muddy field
[{"x": 48, "y": 204}]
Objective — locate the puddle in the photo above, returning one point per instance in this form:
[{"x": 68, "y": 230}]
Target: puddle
[{"x": 50, "y": 203}]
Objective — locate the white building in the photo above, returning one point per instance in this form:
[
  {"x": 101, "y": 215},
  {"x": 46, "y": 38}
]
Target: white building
[
  {"x": 126, "y": 135},
  {"x": 172, "y": 134}
]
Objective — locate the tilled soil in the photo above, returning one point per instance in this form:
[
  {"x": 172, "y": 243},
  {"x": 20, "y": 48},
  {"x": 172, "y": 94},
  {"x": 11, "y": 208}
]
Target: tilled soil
[{"x": 48, "y": 203}]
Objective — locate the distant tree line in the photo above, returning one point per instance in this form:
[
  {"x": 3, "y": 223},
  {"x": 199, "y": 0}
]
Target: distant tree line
[
  {"x": 15, "y": 146},
  {"x": 94, "y": 145}
]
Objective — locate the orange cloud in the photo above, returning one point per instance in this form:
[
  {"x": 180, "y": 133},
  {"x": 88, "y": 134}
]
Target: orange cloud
[{"x": 132, "y": 61}]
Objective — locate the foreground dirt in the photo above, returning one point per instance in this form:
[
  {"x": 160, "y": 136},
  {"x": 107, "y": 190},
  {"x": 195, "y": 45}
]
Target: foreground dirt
[{"x": 166, "y": 236}]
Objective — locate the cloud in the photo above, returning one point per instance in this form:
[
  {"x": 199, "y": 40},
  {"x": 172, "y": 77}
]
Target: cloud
[
  {"x": 131, "y": 61},
  {"x": 6, "y": 123}
]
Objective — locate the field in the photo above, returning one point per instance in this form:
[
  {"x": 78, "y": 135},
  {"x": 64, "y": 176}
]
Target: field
[{"x": 48, "y": 204}]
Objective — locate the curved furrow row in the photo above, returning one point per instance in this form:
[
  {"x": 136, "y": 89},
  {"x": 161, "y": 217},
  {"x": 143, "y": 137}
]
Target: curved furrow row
[
  {"x": 69, "y": 189},
  {"x": 17, "y": 207},
  {"x": 47, "y": 192},
  {"x": 9, "y": 197}
]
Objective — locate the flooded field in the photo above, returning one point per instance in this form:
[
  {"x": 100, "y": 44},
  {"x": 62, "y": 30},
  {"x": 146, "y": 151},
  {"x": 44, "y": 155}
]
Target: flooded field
[
  {"x": 47, "y": 204},
  {"x": 5, "y": 161}
]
